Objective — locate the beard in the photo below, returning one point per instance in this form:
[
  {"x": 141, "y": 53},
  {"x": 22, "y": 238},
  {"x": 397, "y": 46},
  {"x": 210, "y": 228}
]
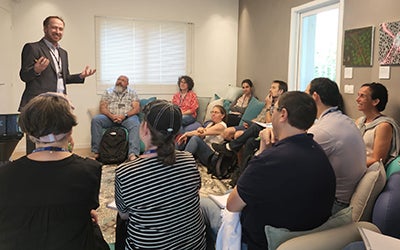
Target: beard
[{"x": 119, "y": 89}]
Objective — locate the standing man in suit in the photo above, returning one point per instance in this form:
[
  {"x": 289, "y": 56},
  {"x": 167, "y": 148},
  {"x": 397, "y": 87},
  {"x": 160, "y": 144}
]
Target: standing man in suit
[{"x": 44, "y": 65}]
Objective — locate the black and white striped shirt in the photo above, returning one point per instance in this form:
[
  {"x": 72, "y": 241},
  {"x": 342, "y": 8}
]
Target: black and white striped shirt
[{"x": 162, "y": 202}]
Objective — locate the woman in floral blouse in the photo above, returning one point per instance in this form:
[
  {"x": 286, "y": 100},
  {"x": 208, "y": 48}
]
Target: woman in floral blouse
[{"x": 186, "y": 100}]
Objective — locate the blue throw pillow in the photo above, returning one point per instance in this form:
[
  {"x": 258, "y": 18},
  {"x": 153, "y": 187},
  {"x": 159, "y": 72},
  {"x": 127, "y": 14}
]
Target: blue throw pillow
[
  {"x": 227, "y": 104},
  {"x": 143, "y": 102},
  {"x": 252, "y": 110}
]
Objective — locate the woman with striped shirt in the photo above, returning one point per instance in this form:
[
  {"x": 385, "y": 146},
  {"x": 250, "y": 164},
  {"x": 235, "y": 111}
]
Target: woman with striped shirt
[{"x": 159, "y": 191}]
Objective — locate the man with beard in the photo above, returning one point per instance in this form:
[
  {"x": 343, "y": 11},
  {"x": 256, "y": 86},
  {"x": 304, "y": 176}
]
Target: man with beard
[
  {"x": 44, "y": 66},
  {"x": 118, "y": 105}
]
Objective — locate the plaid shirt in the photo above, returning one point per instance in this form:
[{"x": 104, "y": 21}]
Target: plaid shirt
[
  {"x": 261, "y": 116},
  {"x": 119, "y": 104}
]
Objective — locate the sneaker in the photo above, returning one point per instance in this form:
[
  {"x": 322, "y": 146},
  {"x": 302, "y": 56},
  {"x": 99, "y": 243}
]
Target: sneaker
[{"x": 221, "y": 148}]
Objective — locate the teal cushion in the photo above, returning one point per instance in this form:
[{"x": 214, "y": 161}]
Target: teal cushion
[
  {"x": 276, "y": 236},
  {"x": 393, "y": 167},
  {"x": 252, "y": 110},
  {"x": 143, "y": 102},
  {"x": 227, "y": 104}
]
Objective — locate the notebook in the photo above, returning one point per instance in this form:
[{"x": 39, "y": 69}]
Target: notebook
[{"x": 378, "y": 241}]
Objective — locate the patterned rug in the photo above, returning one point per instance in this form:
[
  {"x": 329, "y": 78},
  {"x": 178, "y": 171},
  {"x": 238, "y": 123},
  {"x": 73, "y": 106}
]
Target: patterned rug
[{"x": 107, "y": 216}]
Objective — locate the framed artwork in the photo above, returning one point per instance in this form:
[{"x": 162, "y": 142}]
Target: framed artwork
[
  {"x": 358, "y": 47},
  {"x": 389, "y": 43}
]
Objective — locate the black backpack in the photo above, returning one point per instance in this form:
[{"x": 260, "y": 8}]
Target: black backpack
[{"x": 114, "y": 145}]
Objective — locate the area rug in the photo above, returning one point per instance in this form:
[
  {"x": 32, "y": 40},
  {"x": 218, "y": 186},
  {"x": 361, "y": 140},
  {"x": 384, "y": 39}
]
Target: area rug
[{"x": 107, "y": 216}]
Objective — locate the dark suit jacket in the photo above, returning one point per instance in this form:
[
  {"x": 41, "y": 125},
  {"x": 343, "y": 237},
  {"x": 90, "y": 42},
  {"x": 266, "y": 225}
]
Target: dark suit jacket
[{"x": 47, "y": 80}]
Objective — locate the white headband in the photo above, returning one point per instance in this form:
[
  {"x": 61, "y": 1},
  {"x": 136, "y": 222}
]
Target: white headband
[{"x": 48, "y": 138}]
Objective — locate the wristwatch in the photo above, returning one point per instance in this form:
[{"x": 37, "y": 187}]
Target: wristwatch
[{"x": 126, "y": 115}]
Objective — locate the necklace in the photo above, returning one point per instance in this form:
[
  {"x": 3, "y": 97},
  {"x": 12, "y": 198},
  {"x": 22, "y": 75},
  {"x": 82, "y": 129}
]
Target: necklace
[{"x": 51, "y": 149}]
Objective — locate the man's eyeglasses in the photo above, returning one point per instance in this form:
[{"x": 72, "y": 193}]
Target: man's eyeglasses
[{"x": 273, "y": 108}]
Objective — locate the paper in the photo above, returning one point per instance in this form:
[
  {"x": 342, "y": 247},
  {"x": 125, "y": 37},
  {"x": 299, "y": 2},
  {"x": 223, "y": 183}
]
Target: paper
[
  {"x": 384, "y": 72},
  {"x": 377, "y": 241},
  {"x": 220, "y": 200},
  {"x": 348, "y": 73},
  {"x": 265, "y": 125}
]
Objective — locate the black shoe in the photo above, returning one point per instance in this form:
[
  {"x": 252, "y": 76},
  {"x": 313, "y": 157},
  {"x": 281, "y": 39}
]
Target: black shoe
[
  {"x": 221, "y": 148},
  {"x": 234, "y": 177}
]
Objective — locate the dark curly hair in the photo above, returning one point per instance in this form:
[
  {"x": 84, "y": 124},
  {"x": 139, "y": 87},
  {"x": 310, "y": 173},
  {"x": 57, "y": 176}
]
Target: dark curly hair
[{"x": 188, "y": 80}]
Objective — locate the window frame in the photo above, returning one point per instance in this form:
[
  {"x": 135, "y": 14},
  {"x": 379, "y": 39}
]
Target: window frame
[{"x": 294, "y": 44}]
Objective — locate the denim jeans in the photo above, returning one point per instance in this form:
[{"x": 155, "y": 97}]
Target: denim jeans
[
  {"x": 101, "y": 122},
  {"x": 199, "y": 149},
  {"x": 187, "y": 119}
]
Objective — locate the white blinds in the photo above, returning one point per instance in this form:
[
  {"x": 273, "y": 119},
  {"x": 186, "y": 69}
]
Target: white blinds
[{"x": 148, "y": 52}]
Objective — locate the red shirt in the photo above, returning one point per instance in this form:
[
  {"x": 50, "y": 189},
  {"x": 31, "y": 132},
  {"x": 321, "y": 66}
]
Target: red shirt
[{"x": 187, "y": 102}]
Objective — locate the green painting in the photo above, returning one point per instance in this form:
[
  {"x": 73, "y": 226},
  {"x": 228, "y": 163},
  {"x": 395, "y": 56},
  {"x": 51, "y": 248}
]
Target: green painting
[{"x": 358, "y": 46}]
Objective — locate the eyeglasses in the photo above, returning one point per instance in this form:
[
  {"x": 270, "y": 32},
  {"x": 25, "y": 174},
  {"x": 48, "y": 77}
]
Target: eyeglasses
[
  {"x": 273, "y": 108},
  {"x": 215, "y": 112}
]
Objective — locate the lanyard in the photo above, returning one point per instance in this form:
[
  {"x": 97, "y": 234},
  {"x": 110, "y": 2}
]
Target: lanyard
[
  {"x": 58, "y": 60},
  {"x": 51, "y": 149},
  {"x": 330, "y": 111}
]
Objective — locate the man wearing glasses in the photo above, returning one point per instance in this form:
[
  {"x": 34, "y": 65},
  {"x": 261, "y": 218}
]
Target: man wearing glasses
[{"x": 290, "y": 184}]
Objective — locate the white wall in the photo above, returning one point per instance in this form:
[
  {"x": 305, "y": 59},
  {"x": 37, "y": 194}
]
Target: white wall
[
  {"x": 6, "y": 99},
  {"x": 215, "y": 54}
]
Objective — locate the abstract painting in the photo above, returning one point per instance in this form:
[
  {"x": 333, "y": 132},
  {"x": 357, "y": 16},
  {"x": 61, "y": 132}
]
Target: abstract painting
[
  {"x": 358, "y": 46},
  {"x": 389, "y": 43}
]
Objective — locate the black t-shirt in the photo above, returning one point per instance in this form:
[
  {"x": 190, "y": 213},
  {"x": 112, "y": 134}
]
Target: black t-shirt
[
  {"x": 290, "y": 185},
  {"x": 46, "y": 205}
]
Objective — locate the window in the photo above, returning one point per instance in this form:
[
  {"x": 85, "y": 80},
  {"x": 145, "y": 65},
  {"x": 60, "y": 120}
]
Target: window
[
  {"x": 315, "y": 42},
  {"x": 153, "y": 54}
]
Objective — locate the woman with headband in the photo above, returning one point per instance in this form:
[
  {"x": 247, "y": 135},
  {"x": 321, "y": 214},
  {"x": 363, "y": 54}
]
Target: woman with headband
[
  {"x": 159, "y": 191},
  {"x": 47, "y": 198}
]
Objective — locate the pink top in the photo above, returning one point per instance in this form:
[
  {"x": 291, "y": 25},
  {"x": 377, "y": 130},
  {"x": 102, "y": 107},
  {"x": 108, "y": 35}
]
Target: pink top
[{"x": 186, "y": 102}]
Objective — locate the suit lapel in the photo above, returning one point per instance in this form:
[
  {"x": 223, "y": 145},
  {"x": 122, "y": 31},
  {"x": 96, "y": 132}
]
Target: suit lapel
[
  {"x": 46, "y": 51},
  {"x": 63, "y": 56}
]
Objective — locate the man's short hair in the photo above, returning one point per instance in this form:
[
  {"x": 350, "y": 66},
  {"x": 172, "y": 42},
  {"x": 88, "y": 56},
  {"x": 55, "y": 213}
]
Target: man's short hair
[
  {"x": 282, "y": 85},
  {"x": 47, "y": 20},
  {"x": 301, "y": 109},
  {"x": 328, "y": 92}
]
